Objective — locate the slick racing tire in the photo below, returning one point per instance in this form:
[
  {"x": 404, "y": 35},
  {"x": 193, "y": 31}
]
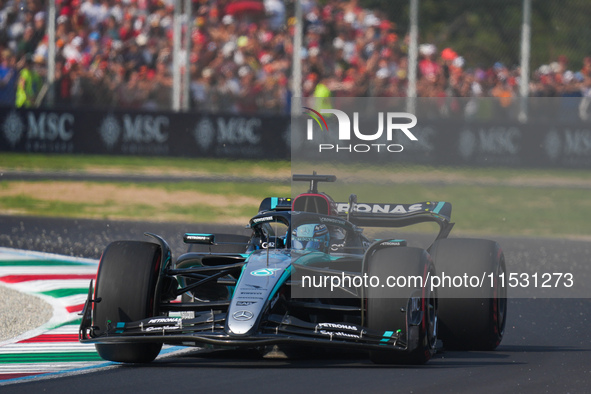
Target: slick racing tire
[
  {"x": 471, "y": 317},
  {"x": 389, "y": 309},
  {"x": 126, "y": 285}
]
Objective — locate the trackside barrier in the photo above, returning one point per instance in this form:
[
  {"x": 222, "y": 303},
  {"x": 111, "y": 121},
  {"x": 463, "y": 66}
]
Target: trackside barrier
[{"x": 491, "y": 142}]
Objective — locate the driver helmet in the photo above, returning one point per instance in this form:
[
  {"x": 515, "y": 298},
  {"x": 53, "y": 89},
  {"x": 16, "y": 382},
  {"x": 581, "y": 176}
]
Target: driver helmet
[{"x": 311, "y": 237}]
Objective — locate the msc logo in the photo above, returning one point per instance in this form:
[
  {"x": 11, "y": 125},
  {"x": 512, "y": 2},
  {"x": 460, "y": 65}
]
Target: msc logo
[{"x": 391, "y": 120}]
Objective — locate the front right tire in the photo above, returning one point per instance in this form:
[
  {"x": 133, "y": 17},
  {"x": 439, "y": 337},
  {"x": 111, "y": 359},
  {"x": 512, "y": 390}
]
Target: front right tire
[
  {"x": 471, "y": 317},
  {"x": 126, "y": 286}
]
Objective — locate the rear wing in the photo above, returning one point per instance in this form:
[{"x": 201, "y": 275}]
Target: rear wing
[{"x": 397, "y": 215}]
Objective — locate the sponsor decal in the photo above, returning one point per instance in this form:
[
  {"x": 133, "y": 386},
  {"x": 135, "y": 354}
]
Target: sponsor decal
[
  {"x": 13, "y": 128},
  {"x": 137, "y": 133},
  {"x": 467, "y": 144},
  {"x": 229, "y": 135},
  {"x": 199, "y": 238},
  {"x": 553, "y": 145},
  {"x": 145, "y": 128},
  {"x": 393, "y": 243},
  {"x": 264, "y": 219},
  {"x": 336, "y": 247},
  {"x": 42, "y": 131},
  {"x": 164, "y": 320},
  {"x": 265, "y": 271},
  {"x": 188, "y": 315},
  {"x": 50, "y": 126},
  {"x": 163, "y": 328},
  {"x": 245, "y": 303},
  {"x": 339, "y": 334},
  {"x": 499, "y": 141},
  {"x": 338, "y": 222},
  {"x": 577, "y": 142},
  {"x": 204, "y": 133},
  {"x": 238, "y": 130},
  {"x": 110, "y": 131},
  {"x": 380, "y": 208},
  {"x": 243, "y": 315},
  {"x": 570, "y": 146},
  {"x": 337, "y": 326}
]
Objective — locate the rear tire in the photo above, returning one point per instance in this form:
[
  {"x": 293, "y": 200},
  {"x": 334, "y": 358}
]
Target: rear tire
[
  {"x": 387, "y": 307},
  {"x": 126, "y": 285},
  {"x": 471, "y": 318}
]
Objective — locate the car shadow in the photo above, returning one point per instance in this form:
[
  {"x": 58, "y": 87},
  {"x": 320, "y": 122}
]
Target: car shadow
[{"x": 333, "y": 359}]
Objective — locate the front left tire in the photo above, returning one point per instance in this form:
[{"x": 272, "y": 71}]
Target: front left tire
[{"x": 412, "y": 308}]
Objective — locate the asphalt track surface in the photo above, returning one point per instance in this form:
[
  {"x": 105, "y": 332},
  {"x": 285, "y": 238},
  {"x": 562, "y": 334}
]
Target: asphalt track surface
[{"x": 546, "y": 348}]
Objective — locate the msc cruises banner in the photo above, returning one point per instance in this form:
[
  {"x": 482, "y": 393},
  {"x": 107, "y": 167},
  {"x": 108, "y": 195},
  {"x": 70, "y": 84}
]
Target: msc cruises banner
[
  {"x": 144, "y": 133},
  {"x": 492, "y": 142}
]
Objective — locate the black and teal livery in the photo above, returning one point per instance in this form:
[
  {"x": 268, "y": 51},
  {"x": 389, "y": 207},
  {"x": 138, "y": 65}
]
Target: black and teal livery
[{"x": 266, "y": 289}]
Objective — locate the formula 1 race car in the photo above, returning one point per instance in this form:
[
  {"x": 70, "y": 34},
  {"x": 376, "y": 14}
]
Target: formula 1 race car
[{"x": 307, "y": 275}]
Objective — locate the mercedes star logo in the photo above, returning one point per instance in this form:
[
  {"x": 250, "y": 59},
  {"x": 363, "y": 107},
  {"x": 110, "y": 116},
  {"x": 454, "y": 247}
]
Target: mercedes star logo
[{"x": 243, "y": 315}]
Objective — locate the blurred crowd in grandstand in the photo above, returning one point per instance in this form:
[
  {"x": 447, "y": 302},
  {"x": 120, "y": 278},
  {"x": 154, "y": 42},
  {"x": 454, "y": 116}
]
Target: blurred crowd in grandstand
[{"x": 119, "y": 53}]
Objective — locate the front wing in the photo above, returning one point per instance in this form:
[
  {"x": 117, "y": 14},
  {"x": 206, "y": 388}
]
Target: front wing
[{"x": 209, "y": 328}]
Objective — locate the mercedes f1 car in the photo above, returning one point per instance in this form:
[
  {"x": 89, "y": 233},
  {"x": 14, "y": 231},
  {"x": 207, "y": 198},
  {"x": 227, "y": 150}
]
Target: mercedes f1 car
[{"x": 307, "y": 275}]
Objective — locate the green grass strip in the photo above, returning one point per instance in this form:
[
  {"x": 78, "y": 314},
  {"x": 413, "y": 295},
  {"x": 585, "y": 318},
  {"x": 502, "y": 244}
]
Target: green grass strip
[{"x": 82, "y": 163}]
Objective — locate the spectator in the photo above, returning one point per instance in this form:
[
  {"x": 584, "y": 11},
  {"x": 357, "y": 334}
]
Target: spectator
[
  {"x": 28, "y": 84},
  {"x": 94, "y": 12},
  {"x": 248, "y": 90},
  {"x": 131, "y": 94},
  {"x": 275, "y": 9},
  {"x": 161, "y": 85},
  {"x": 39, "y": 29},
  {"x": 63, "y": 85},
  {"x": 119, "y": 53},
  {"x": 503, "y": 92},
  {"x": 8, "y": 78}
]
